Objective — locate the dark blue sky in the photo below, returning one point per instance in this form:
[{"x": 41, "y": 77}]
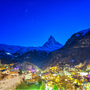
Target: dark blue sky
[{"x": 31, "y": 22}]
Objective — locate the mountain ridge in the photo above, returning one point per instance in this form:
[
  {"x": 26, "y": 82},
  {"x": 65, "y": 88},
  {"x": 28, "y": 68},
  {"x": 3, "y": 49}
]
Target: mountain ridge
[
  {"x": 32, "y": 54},
  {"x": 76, "y": 50}
]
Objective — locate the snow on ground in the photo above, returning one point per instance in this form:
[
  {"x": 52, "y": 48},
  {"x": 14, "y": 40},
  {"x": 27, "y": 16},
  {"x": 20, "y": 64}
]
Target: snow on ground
[
  {"x": 83, "y": 32},
  {"x": 49, "y": 46}
]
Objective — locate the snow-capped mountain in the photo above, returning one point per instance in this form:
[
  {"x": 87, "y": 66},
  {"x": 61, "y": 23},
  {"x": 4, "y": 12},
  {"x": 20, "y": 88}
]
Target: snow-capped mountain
[
  {"x": 76, "y": 50},
  {"x": 52, "y": 44},
  {"x": 33, "y": 54},
  {"x": 49, "y": 46},
  {"x": 77, "y": 36},
  {"x": 9, "y": 48},
  {"x": 82, "y": 33}
]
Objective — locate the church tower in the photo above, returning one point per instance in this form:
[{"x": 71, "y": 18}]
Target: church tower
[{"x": 0, "y": 61}]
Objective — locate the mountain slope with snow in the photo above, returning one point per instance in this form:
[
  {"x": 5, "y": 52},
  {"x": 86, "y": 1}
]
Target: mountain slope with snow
[
  {"x": 49, "y": 46},
  {"x": 76, "y": 50},
  {"x": 77, "y": 36},
  {"x": 32, "y": 54},
  {"x": 52, "y": 44},
  {"x": 82, "y": 33}
]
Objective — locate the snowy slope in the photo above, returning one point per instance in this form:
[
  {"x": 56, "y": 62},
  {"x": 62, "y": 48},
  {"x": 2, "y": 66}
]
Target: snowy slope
[
  {"x": 12, "y": 50},
  {"x": 77, "y": 35},
  {"x": 52, "y": 44},
  {"x": 49, "y": 46},
  {"x": 82, "y": 33},
  {"x": 76, "y": 50},
  {"x": 9, "y": 48}
]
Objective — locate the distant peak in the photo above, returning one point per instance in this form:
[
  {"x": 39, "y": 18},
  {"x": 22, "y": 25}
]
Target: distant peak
[
  {"x": 51, "y": 37},
  {"x": 51, "y": 42}
]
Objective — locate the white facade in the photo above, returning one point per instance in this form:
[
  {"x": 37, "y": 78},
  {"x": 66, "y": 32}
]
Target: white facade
[
  {"x": 28, "y": 76},
  {"x": 6, "y": 72}
]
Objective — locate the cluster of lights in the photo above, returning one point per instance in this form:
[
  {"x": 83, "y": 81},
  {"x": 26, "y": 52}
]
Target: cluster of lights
[{"x": 68, "y": 77}]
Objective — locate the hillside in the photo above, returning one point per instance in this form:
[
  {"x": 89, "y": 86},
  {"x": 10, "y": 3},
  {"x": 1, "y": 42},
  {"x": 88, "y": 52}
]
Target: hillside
[
  {"x": 75, "y": 51},
  {"x": 35, "y": 55}
]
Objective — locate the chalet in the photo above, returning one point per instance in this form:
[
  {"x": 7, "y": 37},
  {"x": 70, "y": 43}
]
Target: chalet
[
  {"x": 28, "y": 76},
  {"x": 5, "y": 71},
  {"x": 14, "y": 72}
]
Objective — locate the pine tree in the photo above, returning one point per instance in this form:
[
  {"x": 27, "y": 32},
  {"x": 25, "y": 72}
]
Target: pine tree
[
  {"x": 42, "y": 87},
  {"x": 20, "y": 71},
  {"x": 55, "y": 87}
]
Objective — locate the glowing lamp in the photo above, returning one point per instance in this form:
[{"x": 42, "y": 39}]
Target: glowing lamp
[{"x": 83, "y": 73}]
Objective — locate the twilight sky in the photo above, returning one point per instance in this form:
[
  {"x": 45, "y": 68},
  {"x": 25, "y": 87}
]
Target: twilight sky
[{"x": 31, "y": 22}]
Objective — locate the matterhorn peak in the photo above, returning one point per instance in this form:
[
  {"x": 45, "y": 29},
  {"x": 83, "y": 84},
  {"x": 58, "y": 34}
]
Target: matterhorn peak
[
  {"x": 51, "y": 42},
  {"x": 51, "y": 38}
]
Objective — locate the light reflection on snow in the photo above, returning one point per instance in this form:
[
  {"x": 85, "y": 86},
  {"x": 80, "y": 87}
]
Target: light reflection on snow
[{"x": 8, "y": 53}]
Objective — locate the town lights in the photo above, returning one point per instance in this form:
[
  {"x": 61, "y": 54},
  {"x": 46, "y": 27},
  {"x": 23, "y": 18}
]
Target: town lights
[{"x": 83, "y": 73}]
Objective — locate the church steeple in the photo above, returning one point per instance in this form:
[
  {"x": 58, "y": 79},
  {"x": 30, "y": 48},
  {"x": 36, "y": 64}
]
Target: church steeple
[{"x": 0, "y": 61}]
